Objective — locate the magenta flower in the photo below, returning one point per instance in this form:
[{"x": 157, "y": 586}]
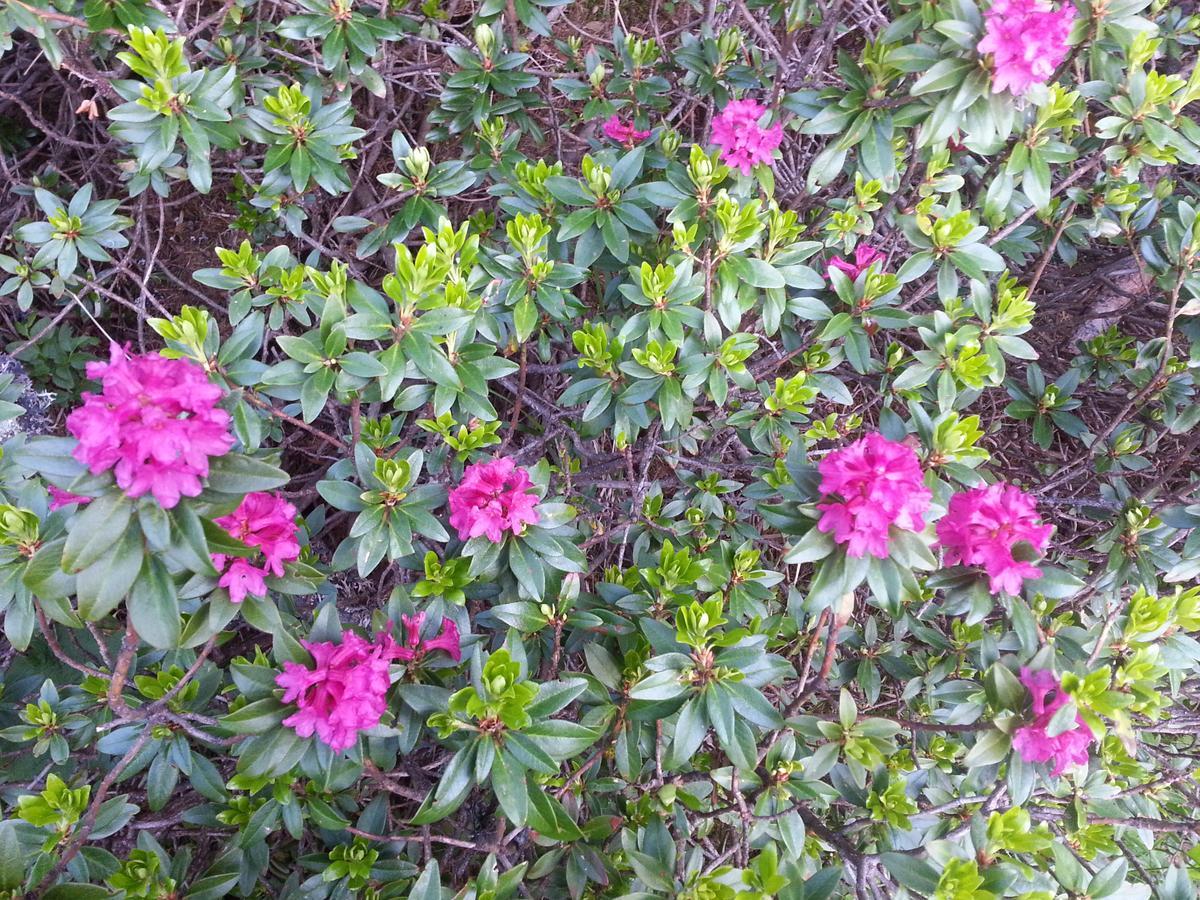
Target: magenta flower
[
  {"x": 414, "y": 647},
  {"x": 1032, "y": 741},
  {"x": 60, "y": 498},
  {"x": 267, "y": 522},
  {"x": 742, "y": 140},
  {"x": 623, "y": 132},
  {"x": 493, "y": 497},
  {"x": 1027, "y": 40},
  {"x": 343, "y": 693},
  {"x": 868, "y": 487},
  {"x": 864, "y": 256},
  {"x": 155, "y": 423},
  {"x": 982, "y": 526},
  {"x": 242, "y": 578}
]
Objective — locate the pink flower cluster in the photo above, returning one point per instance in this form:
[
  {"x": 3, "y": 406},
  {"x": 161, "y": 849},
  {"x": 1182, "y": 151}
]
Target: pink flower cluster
[
  {"x": 345, "y": 691},
  {"x": 864, "y": 256},
  {"x": 868, "y": 487},
  {"x": 60, "y": 498},
  {"x": 1034, "y": 743},
  {"x": 414, "y": 647},
  {"x": 493, "y": 497},
  {"x": 265, "y": 521},
  {"x": 742, "y": 140},
  {"x": 615, "y": 129},
  {"x": 1027, "y": 40},
  {"x": 981, "y": 527},
  {"x": 155, "y": 423}
]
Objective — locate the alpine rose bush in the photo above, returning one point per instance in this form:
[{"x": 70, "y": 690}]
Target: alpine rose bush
[
  {"x": 1027, "y": 40},
  {"x": 983, "y": 526},
  {"x": 570, "y": 451},
  {"x": 155, "y": 423},
  {"x": 492, "y": 498},
  {"x": 1034, "y": 741},
  {"x": 868, "y": 487},
  {"x": 743, "y": 141}
]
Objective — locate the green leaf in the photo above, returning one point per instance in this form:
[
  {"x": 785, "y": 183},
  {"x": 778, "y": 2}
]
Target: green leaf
[
  {"x": 560, "y": 738},
  {"x": 236, "y": 473},
  {"x": 94, "y": 529},
  {"x": 547, "y": 817},
  {"x": 525, "y": 318},
  {"x": 509, "y": 785},
  {"x": 690, "y": 729},
  {"x": 815, "y": 545},
  {"x": 258, "y": 717},
  {"x": 911, "y": 872},
  {"x": 553, "y": 696},
  {"x": 942, "y": 76},
  {"x": 325, "y": 816},
  {"x": 756, "y": 272},
  {"x": 1004, "y": 689},
  {"x": 527, "y": 569},
  {"x": 103, "y": 585},
  {"x": 659, "y": 686},
  {"x": 44, "y": 575},
  {"x": 429, "y": 885},
  {"x": 76, "y": 891},
  {"x": 154, "y": 606},
  {"x": 12, "y": 857},
  {"x": 990, "y": 748}
]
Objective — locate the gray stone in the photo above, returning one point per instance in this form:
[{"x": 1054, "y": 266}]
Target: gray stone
[{"x": 16, "y": 390}]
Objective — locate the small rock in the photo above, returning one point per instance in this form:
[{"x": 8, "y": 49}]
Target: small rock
[{"x": 16, "y": 391}]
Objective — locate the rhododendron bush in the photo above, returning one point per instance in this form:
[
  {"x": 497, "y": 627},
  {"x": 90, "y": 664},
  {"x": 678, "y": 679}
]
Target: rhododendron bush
[{"x": 548, "y": 449}]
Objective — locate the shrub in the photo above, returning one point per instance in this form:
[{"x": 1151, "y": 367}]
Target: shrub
[{"x": 547, "y": 449}]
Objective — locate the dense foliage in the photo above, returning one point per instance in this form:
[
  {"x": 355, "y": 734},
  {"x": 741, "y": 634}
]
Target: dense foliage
[{"x": 548, "y": 449}]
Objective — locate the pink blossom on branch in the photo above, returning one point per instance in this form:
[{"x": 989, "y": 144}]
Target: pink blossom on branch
[
  {"x": 1027, "y": 40},
  {"x": 243, "y": 578},
  {"x": 868, "y": 487},
  {"x": 864, "y": 256},
  {"x": 615, "y": 129},
  {"x": 983, "y": 525},
  {"x": 60, "y": 498},
  {"x": 264, "y": 521},
  {"x": 1034, "y": 743},
  {"x": 155, "y": 423},
  {"x": 343, "y": 693},
  {"x": 493, "y": 497},
  {"x": 414, "y": 647},
  {"x": 743, "y": 141}
]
